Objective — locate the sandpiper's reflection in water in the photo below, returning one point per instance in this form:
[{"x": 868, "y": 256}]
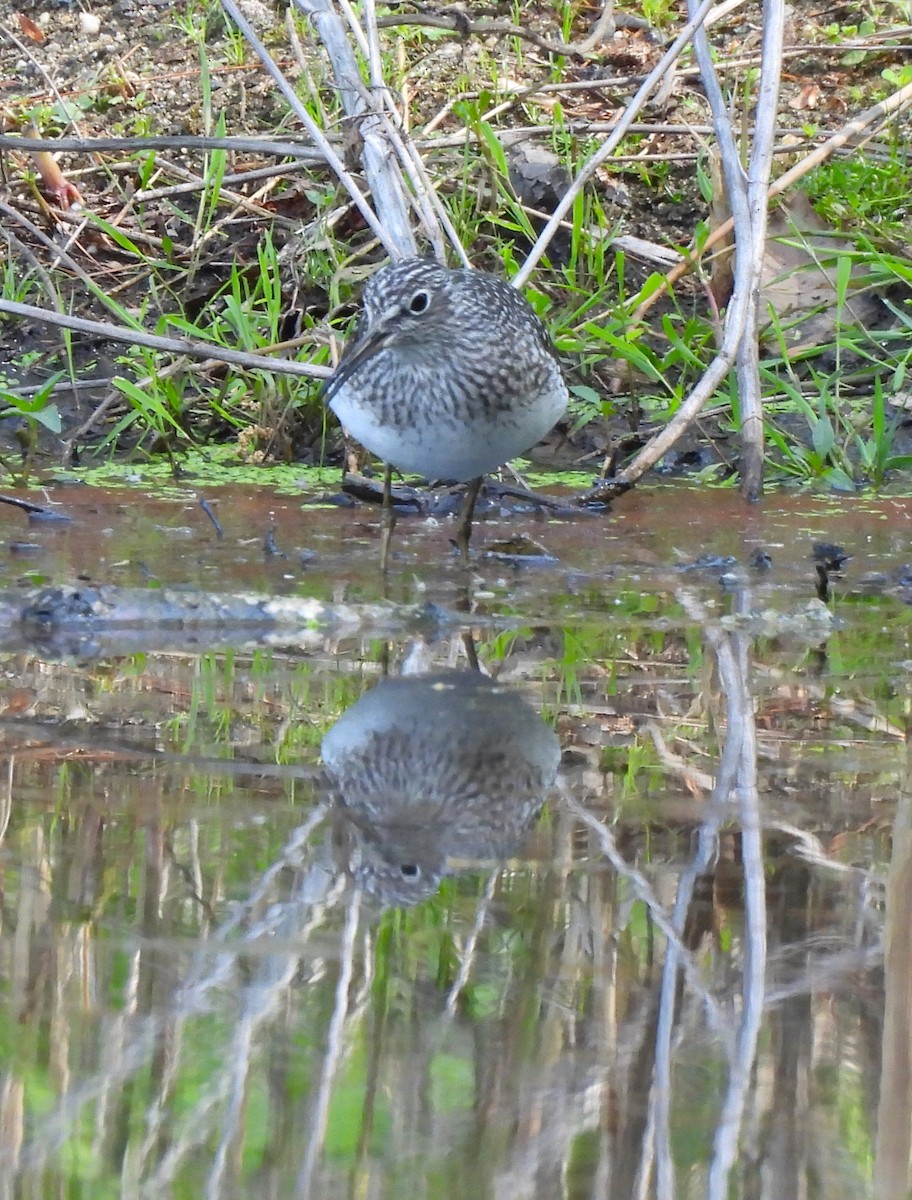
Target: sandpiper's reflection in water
[{"x": 432, "y": 774}]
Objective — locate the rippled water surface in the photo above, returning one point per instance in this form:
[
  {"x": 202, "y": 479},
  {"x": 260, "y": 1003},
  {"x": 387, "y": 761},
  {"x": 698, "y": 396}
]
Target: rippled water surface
[{"x": 583, "y": 872}]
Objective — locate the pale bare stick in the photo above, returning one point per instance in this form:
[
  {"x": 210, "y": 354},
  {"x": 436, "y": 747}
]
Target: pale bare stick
[
  {"x": 422, "y": 193},
  {"x": 434, "y": 215},
  {"x": 255, "y": 361},
  {"x": 380, "y": 102},
  {"x": 52, "y": 86},
  {"x": 649, "y": 84},
  {"x": 758, "y": 180},
  {"x": 749, "y": 223},
  {"x": 60, "y": 252},
  {"x": 601, "y": 30},
  {"x": 372, "y": 34},
  {"x": 127, "y": 145},
  {"x": 485, "y": 27},
  {"x": 355, "y": 26},
  {"x": 319, "y": 138},
  {"x": 380, "y": 167}
]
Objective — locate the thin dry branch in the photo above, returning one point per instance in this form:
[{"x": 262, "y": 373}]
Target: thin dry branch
[
  {"x": 739, "y": 315},
  {"x": 60, "y": 253},
  {"x": 663, "y": 441},
  {"x": 212, "y": 355},
  {"x": 319, "y": 138},
  {"x": 732, "y": 654},
  {"x": 39, "y": 67},
  {"x": 129, "y": 145},
  {"x": 459, "y": 23},
  {"x": 649, "y": 85},
  {"x": 758, "y": 179},
  {"x": 381, "y": 168}
]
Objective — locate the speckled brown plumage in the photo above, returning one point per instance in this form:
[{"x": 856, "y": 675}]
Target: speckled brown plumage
[{"x": 449, "y": 374}]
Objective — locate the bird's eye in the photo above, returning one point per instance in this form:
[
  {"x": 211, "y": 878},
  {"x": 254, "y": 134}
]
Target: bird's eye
[
  {"x": 419, "y": 303},
  {"x": 409, "y": 871}
]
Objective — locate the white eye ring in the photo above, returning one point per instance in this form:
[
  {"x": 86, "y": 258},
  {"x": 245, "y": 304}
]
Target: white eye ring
[{"x": 419, "y": 303}]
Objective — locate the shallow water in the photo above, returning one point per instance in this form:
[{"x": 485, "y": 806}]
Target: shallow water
[{"x": 314, "y": 912}]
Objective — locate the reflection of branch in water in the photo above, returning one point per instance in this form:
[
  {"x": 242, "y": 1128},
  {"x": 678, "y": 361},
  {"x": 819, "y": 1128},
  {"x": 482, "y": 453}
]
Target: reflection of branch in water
[
  {"x": 643, "y": 890},
  {"x": 704, "y": 854},
  {"x": 893, "y": 1146},
  {"x": 280, "y": 923},
  {"x": 732, "y": 661},
  {"x": 467, "y": 957},
  {"x": 334, "y": 1048},
  {"x": 695, "y": 780},
  {"x": 143, "y": 1035}
]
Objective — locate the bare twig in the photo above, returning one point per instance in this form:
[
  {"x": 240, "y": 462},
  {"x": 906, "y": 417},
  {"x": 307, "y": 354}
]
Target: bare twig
[
  {"x": 52, "y": 86},
  {"x": 760, "y": 165},
  {"x": 16, "y": 244},
  {"x": 372, "y": 35},
  {"x": 432, "y": 213},
  {"x": 127, "y": 145},
  {"x": 460, "y": 24},
  {"x": 381, "y": 169},
  {"x": 705, "y": 852},
  {"x": 59, "y": 252},
  {"x": 651, "y": 82},
  {"x": 601, "y": 30},
  {"x": 319, "y": 138},
  {"x": 733, "y": 658},
  {"x": 749, "y": 223},
  {"x": 355, "y": 26},
  {"x": 254, "y": 361},
  {"x": 335, "y": 1048}
]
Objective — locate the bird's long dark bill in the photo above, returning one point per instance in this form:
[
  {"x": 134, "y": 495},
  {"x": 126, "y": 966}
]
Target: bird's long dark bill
[{"x": 352, "y": 358}]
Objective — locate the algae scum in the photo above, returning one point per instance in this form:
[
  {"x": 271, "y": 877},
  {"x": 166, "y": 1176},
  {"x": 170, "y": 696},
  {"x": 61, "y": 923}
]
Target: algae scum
[{"x": 571, "y": 874}]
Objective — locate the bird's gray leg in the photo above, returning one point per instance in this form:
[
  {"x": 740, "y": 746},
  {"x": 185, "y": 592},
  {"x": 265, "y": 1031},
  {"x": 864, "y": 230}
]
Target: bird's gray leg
[
  {"x": 387, "y": 517},
  {"x": 464, "y": 528}
]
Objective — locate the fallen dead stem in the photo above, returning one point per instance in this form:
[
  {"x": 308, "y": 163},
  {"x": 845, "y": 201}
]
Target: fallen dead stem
[
  {"x": 128, "y": 145},
  {"x": 460, "y": 23},
  {"x": 891, "y": 106},
  {"x": 212, "y": 355},
  {"x": 316, "y": 133},
  {"x": 382, "y": 169},
  {"x": 663, "y": 441}
]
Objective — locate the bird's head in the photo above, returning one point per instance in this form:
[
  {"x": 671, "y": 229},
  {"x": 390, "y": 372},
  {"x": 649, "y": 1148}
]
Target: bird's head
[{"x": 406, "y": 305}]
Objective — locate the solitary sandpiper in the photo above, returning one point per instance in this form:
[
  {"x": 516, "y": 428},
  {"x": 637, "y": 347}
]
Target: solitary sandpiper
[{"x": 449, "y": 374}]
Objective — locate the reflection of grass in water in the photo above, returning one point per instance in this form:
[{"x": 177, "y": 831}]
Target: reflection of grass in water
[{"x": 265, "y": 701}]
